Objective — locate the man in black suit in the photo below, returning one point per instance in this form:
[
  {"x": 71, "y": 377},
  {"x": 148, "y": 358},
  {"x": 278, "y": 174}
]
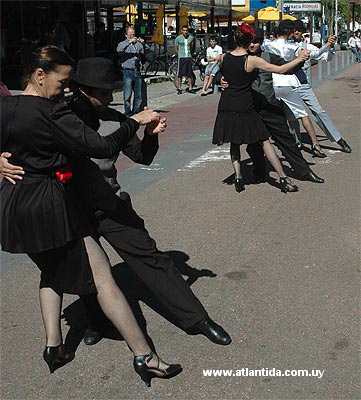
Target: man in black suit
[
  {"x": 271, "y": 111},
  {"x": 117, "y": 221}
]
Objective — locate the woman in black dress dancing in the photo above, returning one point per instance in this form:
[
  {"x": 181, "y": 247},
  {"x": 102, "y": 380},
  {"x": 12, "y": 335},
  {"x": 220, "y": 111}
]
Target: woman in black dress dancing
[
  {"x": 237, "y": 121},
  {"x": 43, "y": 215}
]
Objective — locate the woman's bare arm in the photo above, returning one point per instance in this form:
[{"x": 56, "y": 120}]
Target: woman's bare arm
[{"x": 259, "y": 63}]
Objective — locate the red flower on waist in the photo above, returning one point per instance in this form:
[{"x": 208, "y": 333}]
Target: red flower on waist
[{"x": 64, "y": 174}]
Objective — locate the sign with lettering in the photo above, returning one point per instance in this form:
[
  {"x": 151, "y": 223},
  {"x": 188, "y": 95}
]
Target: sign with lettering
[{"x": 297, "y": 7}]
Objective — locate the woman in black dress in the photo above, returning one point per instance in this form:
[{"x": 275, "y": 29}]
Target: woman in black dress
[
  {"x": 237, "y": 121},
  {"x": 43, "y": 216}
]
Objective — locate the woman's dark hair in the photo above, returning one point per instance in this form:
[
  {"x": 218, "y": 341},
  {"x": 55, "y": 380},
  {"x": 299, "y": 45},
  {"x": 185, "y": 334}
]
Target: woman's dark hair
[
  {"x": 48, "y": 58},
  {"x": 243, "y": 36}
]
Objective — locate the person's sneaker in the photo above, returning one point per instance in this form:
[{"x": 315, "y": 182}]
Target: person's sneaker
[{"x": 179, "y": 91}]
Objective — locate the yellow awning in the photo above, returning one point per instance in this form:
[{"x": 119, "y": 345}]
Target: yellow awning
[
  {"x": 183, "y": 17},
  {"x": 274, "y": 16},
  {"x": 158, "y": 36},
  {"x": 250, "y": 18},
  {"x": 131, "y": 12}
]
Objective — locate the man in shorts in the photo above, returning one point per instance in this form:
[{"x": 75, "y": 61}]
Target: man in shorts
[
  {"x": 214, "y": 52},
  {"x": 183, "y": 46}
]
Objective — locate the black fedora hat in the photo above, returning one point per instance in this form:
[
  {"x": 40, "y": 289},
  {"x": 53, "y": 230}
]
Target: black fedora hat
[{"x": 96, "y": 72}]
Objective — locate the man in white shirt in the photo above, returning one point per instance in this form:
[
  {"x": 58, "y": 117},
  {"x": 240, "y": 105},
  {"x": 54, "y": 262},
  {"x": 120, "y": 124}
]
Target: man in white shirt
[
  {"x": 308, "y": 95},
  {"x": 354, "y": 43},
  {"x": 214, "y": 53},
  {"x": 285, "y": 86}
]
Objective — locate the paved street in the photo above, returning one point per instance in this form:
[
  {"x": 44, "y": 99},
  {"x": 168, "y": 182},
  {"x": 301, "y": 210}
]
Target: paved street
[{"x": 280, "y": 272}]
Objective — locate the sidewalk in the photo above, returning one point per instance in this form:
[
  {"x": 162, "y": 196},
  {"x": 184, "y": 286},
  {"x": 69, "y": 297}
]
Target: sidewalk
[{"x": 286, "y": 285}]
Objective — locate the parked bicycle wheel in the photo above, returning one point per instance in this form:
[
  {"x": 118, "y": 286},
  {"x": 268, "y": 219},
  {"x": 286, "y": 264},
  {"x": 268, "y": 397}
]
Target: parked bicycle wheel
[{"x": 152, "y": 69}]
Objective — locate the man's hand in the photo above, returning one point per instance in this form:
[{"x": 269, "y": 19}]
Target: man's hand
[
  {"x": 147, "y": 116},
  {"x": 304, "y": 55},
  {"x": 141, "y": 40},
  {"x": 9, "y": 171},
  {"x": 332, "y": 40},
  {"x": 133, "y": 40},
  {"x": 224, "y": 83}
]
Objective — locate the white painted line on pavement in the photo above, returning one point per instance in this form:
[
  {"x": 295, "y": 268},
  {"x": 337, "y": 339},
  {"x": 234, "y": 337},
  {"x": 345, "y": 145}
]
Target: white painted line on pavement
[{"x": 218, "y": 154}]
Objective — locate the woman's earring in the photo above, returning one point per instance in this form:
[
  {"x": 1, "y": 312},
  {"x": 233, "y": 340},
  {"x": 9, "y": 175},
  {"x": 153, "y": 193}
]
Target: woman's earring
[{"x": 40, "y": 82}]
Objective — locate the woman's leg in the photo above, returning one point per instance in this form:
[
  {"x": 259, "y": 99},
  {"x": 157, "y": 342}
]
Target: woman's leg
[
  {"x": 114, "y": 304},
  {"x": 272, "y": 157},
  {"x": 50, "y": 304},
  {"x": 235, "y": 152},
  {"x": 308, "y": 125}
]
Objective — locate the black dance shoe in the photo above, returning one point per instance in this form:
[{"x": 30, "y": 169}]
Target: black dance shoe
[
  {"x": 214, "y": 332},
  {"x": 287, "y": 185},
  {"x": 345, "y": 147},
  {"x": 91, "y": 337},
  {"x": 238, "y": 185},
  {"x": 312, "y": 177},
  {"x": 147, "y": 373},
  {"x": 57, "y": 356},
  {"x": 317, "y": 152}
]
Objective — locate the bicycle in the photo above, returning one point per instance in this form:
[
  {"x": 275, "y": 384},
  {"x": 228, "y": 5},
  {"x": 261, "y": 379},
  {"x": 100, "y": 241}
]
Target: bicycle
[{"x": 159, "y": 64}]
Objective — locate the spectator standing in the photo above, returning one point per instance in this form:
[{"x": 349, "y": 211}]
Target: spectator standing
[
  {"x": 354, "y": 43},
  {"x": 183, "y": 46},
  {"x": 131, "y": 54},
  {"x": 214, "y": 53}
]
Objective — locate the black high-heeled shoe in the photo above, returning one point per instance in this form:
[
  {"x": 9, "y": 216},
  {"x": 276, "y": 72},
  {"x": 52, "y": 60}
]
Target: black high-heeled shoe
[
  {"x": 147, "y": 373},
  {"x": 287, "y": 185},
  {"x": 57, "y": 356},
  {"x": 316, "y": 152},
  {"x": 238, "y": 185}
]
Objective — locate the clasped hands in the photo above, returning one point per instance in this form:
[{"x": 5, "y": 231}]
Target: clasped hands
[{"x": 152, "y": 120}]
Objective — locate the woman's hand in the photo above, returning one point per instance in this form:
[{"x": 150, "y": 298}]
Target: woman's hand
[
  {"x": 147, "y": 116},
  {"x": 224, "y": 83},
  {"x": 9, "y": 171},
  {"x": 154, "y": 128}
]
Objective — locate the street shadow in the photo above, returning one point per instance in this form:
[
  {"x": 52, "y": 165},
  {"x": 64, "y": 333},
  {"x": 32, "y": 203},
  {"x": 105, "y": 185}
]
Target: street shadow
[
  {"x": 353, "y": 83},
  {"x": 135, "y": 292}
]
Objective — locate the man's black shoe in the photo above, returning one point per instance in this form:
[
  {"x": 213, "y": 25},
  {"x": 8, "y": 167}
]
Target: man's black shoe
[
  {"x": 212, "y": 331},
  {"x": 312, "y": 177},
  {"x": 179, "y": 91},
  {"x": 344, "y": 146},
  {"x": 192, "y": 91},
  {"x": 91, "y": 337}
]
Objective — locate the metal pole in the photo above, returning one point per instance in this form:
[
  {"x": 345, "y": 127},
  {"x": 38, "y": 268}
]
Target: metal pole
[
  {"x": 336, "y": 12},
  {"x": 212, "y": 16},
  {"x": 177, "y": 27},
  {"x": 230, "y": 25},
  {"x": 165, "y": 37}
]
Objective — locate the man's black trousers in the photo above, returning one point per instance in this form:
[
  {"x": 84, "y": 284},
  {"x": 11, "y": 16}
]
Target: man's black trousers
[
  {"x": 274, "y": 119},
  {"x": 155, "y": 269}
]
